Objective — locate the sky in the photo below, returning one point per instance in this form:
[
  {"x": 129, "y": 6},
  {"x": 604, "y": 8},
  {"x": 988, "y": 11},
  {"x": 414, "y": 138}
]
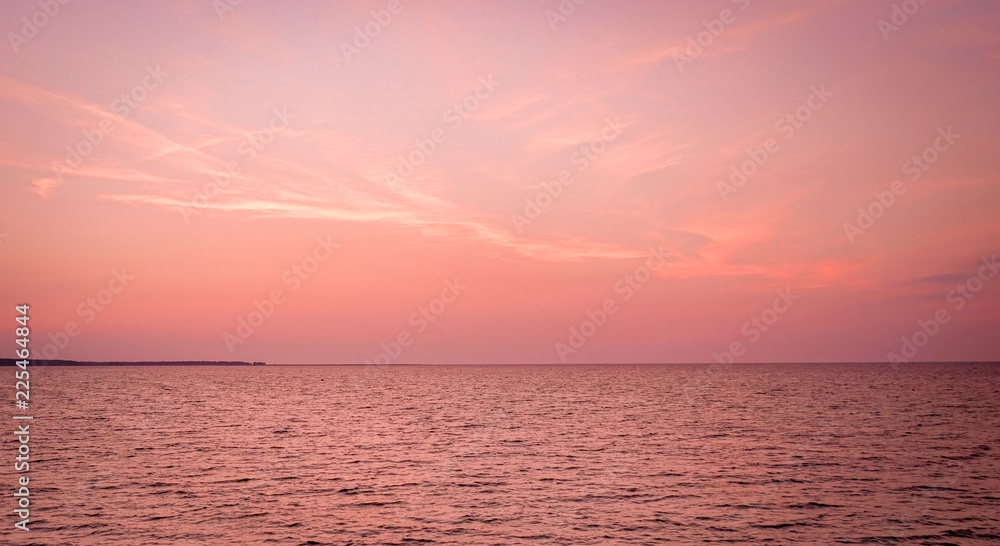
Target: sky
[{"x": 502, "y": 182}]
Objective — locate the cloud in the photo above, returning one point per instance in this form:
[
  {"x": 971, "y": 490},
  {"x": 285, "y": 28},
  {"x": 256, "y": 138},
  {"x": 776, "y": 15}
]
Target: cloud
[
  {"x": 44, "y": 186},
  {"x": 942, "y": 278}
]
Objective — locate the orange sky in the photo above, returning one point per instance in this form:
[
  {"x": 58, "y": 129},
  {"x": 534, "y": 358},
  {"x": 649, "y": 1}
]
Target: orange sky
[{"x": 446, "y": 182}]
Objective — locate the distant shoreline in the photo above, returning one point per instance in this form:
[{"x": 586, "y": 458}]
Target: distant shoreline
[{"x": 42, "y": 362}]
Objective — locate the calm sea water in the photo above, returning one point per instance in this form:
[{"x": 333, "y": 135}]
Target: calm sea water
[{"x": 513, "y": 455}]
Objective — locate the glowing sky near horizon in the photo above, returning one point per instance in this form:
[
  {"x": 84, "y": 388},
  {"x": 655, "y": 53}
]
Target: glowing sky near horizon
[{"x": 319, "y": 129}]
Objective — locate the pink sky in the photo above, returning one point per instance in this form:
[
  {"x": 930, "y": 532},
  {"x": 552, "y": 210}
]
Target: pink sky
[{"x": 506, "y": 93}]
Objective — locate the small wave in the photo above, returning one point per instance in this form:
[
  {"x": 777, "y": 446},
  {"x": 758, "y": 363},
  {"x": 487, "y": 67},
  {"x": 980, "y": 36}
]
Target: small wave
[
  {"x": 236, "y": 480},
  {"x": 814, "y": 505},
  {"x": 781, "y": 525}
]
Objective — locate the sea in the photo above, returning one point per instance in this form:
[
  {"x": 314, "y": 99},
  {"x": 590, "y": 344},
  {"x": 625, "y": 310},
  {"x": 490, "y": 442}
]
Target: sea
[{"x": 603, "y": 454}]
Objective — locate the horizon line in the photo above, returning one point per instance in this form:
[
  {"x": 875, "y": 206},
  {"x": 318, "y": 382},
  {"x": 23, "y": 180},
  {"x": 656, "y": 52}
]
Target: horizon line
[{"x": 68, "y": 362}]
